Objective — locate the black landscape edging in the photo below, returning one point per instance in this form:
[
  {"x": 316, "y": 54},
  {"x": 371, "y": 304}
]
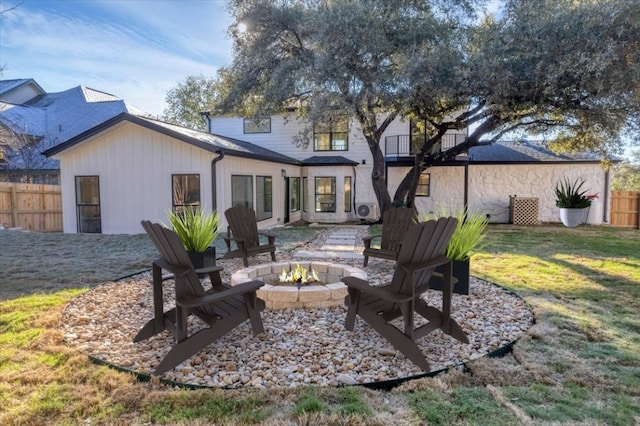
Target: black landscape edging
[{"x": 385, "y": 385}]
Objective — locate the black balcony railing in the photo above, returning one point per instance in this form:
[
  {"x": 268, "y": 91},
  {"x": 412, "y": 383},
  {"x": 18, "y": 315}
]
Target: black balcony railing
[{"x": 402, "y": 146}]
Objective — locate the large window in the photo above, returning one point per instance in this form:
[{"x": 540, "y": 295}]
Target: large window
[
  {"x": 264, "y": 197},
  {"x": 326, "y": 194},
  {"x": 305, "y": 190},
  {"x": 257, "y": 125},
  {"x": 294, "y": 195},
  {"x": 186, "y": 191},
  {"x": 424, "y": 185},
  {"x": 347, "y": 193},
  {"x": 88, "y": 204},
  {"x": 242, "y": 191},
  {"x": 331, "y": 136}
]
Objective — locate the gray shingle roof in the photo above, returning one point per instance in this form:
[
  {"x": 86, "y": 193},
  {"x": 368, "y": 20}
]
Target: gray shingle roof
[
  {"x": 56, "y": 117},
  {"x": 523, "y": 152},
  {"x": 206, "y": 141},
  {"x": 330, "y": 160}
]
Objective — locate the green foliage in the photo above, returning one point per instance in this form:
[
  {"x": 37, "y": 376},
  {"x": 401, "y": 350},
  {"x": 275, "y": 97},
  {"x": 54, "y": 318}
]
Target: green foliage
[
  {"x": 351, "y": 403},
  {"x": 308, "y": 404},
  {"x": 563, "y": 69},
  {"x": 469, "y": 235},
  {"x": 626, "y": 175},
  {"x": 197, "y": 229},
  {"x": 188, "y": 99},
  {"x": 569, "y": 195}
]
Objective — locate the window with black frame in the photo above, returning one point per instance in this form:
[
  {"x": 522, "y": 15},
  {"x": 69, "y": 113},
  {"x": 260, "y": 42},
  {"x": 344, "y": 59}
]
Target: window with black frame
[
  {"x": 424, "y": 185},
  {"x": 305, "y": 189},
  {"x": 185, "y": 189},
  {"x": 325, "y": 194},
  {"x": 88, "y": 204},
  {"x": 294, "y": 194},
  {"x": 347, "y": 193},
  {"x": 332, "y": 136},
  {"x": 242, "y": 191},
  {"x": 264, "y": 197},
  {"x": 257, "y": 125}
]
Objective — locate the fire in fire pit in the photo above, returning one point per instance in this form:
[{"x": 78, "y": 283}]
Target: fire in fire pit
[{"x": 299, "y": 276}]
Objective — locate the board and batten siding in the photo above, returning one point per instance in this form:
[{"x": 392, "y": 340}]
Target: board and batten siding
[
  {"x": 230, "y": 166},
  {"x": 134, "y": 165},
  {"x": 281, "y": 136}
]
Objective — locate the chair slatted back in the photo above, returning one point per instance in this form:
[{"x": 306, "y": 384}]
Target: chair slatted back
[
  {"x": 172, "y": 250},
  {"x": 395, "y": 222},
  {"x": 422, "y": 242},
  {"x": 243, "y": 224}
]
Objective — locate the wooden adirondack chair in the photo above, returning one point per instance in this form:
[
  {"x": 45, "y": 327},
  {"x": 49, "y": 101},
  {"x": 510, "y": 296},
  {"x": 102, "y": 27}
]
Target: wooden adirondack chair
[
  {"x": 243, "y": 229},
  {"x": 422, "y": 250},
  {"x": 395, "y": 222},
  {"x": 222, "y": 307}
]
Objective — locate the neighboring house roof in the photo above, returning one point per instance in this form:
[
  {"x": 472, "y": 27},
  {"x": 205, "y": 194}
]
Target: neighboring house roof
[
  {"x": 8, "y": 86},
  {"x": 56, "y": 117},
  {"x": 524, "y": 151},
  {"x": 203, "y": 140},
  {"x": 334, "y": 160}
]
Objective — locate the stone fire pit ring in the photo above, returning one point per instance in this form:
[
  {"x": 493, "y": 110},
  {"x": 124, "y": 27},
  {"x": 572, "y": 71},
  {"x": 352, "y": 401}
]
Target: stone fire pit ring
[{"x": 330, "y": 291}]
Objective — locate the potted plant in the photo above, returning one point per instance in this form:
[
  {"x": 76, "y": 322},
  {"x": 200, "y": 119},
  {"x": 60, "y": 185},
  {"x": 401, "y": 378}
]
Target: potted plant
[
  {"x": 197, "y": 230},
  {"x": 572, "y": 201},
  {"x": 465, "y": 242}
]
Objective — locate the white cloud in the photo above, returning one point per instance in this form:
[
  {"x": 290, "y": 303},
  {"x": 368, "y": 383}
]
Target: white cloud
[{"x": 136, "y": 50}]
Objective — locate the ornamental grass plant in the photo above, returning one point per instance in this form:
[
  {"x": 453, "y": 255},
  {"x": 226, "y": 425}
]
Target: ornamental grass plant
[
  {"x": 196, "y": 228},
  {"x": 469, "y": 235}
]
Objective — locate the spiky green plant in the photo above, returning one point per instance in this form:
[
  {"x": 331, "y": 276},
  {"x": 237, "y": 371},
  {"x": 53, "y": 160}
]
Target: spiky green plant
[
  {"x": 570, "y": 196},
  {"x": 196, "y": 228},
  {"x": 469, "y": 235}
]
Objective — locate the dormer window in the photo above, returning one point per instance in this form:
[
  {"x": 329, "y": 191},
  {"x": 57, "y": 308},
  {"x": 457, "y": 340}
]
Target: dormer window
[{"x": 332, "y": 136}]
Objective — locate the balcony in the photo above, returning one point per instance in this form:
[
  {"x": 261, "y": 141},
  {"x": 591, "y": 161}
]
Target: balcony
[{"x": 400, "y": 146}]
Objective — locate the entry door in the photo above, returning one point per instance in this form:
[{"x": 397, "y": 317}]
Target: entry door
[
  {"x": 88, "y": 204},
  {"x": 286, "y": 200}
]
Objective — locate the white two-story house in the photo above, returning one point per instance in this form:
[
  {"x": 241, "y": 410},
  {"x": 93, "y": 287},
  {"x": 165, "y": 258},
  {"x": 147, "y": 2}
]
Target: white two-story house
[{"x": 131, "y": 168}]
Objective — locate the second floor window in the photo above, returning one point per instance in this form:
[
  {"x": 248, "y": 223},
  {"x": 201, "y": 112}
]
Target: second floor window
[
  {"x": 331, "y": 137},
  {"x": 257, "y": 125}
]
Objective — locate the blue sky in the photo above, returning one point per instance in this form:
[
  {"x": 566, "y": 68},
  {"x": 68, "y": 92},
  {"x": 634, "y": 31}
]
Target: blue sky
[{"x": 134, "y": 49}]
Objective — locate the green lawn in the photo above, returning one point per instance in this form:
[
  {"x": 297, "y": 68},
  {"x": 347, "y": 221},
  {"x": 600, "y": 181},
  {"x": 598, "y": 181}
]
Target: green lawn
[{"x": 579, "y": 364}]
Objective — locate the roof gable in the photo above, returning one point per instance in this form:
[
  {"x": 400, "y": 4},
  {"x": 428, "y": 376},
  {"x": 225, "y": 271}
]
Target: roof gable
[{"x": 203, "y": 140}]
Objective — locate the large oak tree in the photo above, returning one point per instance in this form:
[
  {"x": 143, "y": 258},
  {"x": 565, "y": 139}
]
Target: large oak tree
[{"x": 565, "y": 69}]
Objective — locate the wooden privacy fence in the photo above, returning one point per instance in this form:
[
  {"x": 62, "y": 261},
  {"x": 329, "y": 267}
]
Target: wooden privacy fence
[
  {"x": 34, "y": 207},
  {"x": 625, "y": 208}
]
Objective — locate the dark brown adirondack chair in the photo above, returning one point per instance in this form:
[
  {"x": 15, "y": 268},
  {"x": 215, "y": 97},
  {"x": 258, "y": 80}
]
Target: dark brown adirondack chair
[
  {"x": 243, "y": 229},
  {"x": 395, "y": 222},
  {"x": 422, "y": 250},
  {"x": 222, "y": 307}
]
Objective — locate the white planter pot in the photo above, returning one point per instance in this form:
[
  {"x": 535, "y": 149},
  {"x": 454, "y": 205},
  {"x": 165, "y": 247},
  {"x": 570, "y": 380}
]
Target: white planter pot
[{"x": 573, "y": 217}]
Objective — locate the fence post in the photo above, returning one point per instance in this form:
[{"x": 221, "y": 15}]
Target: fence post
[{"x": 13, "y": 206}]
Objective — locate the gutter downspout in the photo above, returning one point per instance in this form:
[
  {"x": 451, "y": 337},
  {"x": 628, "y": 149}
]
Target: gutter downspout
[{"x": 214, "y": 192}]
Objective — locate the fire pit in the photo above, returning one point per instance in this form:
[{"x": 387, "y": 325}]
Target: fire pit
[{"x": 327, "y": 291}]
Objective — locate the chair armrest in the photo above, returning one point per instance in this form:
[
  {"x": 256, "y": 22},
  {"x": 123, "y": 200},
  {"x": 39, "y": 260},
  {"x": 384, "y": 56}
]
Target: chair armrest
[
  {"x": 367, "y": 240},
  {"x": 270, "y": 237},
  {"x": 441, "y": 260},
  {"x": 209, "y": 269},
  {"x": 237, "y": 290},
  {"x": 363, "y": 286},
  {"x": 174, "y": 269}
]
